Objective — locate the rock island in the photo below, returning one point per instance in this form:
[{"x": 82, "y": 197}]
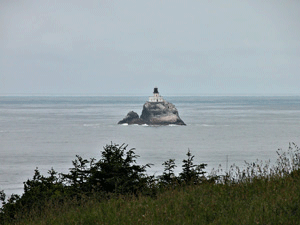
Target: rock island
[{"x": 156, "y": 111}]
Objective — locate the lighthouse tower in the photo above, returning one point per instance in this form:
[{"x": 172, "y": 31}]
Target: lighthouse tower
[{"x": 156, "y": 97}]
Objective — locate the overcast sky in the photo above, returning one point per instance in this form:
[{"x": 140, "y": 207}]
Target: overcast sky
[{"x": 218, "y": 47}]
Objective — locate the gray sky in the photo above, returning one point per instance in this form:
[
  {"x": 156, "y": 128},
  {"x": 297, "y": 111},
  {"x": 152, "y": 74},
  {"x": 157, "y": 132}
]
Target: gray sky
[{"x": 128, "y": 47}]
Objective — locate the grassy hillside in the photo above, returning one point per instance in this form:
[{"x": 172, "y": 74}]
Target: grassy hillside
[
  {"x": 275, "y": 201},
  {"x": 259, "y": 194}
]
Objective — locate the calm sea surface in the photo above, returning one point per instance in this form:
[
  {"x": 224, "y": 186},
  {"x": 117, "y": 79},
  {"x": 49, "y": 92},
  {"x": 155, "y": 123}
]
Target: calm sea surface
[{"x": 48, "y": 132}]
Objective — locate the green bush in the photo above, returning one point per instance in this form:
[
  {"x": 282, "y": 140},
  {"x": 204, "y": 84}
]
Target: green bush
[
  {"x": 114, "y": 190},
  {"x": 115, "y": 173}
]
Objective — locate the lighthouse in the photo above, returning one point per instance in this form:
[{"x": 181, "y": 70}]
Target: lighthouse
[
  {"x": 156, "y": 97},
  {"x": 156, "y": 111}
]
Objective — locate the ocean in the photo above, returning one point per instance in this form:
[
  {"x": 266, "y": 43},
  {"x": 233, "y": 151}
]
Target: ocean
[{"x": 48, "y": 132}]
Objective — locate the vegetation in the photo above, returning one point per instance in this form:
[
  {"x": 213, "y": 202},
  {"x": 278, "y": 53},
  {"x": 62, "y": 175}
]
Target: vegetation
[{"x": 115, "y": 190}]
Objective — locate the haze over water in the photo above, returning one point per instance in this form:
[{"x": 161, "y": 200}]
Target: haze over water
[{"x": 48, "y": 132}]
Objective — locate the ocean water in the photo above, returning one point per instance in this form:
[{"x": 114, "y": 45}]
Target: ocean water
[{"x": 48, "y": 132}]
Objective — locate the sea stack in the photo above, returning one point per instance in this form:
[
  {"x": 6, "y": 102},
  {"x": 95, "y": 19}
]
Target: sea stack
[{"x": 156, "y": 111}]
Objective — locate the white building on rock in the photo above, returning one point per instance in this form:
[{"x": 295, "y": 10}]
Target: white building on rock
[{"x": 156, "y": 97}]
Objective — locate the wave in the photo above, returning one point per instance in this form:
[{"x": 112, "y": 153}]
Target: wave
[
  {"x": 207, "y": 125},
  {"x": 213, "y": 125},
  {"x": 92, "y": 125}
]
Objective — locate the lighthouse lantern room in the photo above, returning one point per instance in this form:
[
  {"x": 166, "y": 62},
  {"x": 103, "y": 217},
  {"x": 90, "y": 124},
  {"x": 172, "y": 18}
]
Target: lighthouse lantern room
[{"x": 156, "y": 97}]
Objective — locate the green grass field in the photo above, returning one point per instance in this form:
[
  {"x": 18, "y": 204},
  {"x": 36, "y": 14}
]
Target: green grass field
[
  {"x": 257, "y": 195},
  {"x": 262, "y": 201}
]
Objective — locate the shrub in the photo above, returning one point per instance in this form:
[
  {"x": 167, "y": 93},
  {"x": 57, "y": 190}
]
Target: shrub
[{"x": 190, "y": 172}]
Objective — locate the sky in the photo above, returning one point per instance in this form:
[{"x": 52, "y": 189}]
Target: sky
[{"x": 107, "y": 47}]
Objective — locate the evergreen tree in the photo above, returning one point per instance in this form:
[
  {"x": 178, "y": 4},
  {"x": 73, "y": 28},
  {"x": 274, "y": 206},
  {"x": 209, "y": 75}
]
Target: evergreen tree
[
  {"x": 190, "y": 172},
  {"x": 168, "y": 176},
  {"x": 117, "y": 171}
]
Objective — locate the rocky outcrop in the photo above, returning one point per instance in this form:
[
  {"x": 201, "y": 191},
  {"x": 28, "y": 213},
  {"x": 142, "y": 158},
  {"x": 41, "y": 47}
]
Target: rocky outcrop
[
  {"x": 155, "y": 113},
  {"x": 131, "y": 118}
]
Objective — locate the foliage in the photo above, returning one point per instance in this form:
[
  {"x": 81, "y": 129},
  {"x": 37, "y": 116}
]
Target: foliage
[
  {"x": 190, "y": 172},
  {"x": 168, "y": 177},
  {"x": 37, "y": 192},
  {"x": 276, "y": 201},
  {"x": 289, "y": 160},
  {"x": 114, "y": 190},
  {"x": 286, "y": 163},
  {"x": 116, "y": 172}
]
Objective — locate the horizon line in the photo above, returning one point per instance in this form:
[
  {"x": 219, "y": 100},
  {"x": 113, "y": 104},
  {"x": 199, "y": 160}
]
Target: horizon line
[{"x": 141, "y": 95}]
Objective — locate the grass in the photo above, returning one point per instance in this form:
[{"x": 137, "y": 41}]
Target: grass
[
  {"x": 258, "y": 194},
  {"x": 274, "y": 200}
]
